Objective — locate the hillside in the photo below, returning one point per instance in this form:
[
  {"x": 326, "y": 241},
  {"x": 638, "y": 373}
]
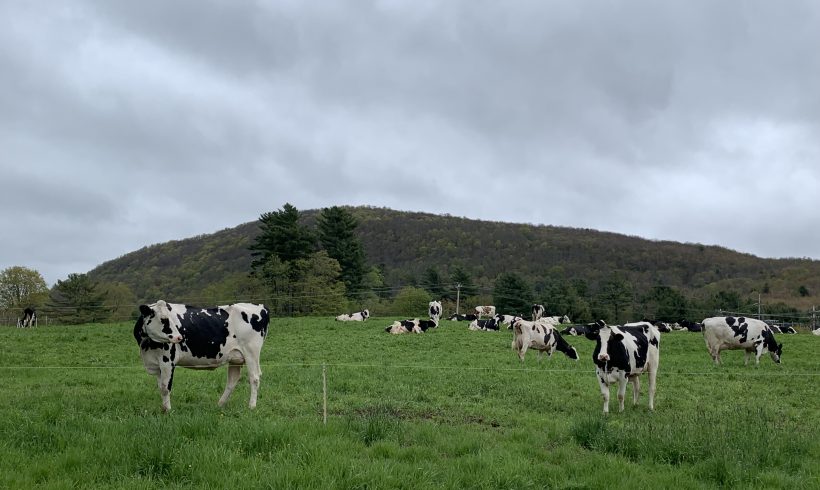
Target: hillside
[{"x": 404, "y": 244}]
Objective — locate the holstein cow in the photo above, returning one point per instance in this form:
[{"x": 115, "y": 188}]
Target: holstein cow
[
  {"x": 506, "y": 320},
  {"x": 749, "y": 334},
  {"x": 554, "y": 320},
  {"x": 485, "y": 325},
  {"x": 171, "y": 335},
  {"x": 787, "y": 329},
  {"x": 460, "y": 318},
  {"x": 484, "y": 310},
  {"x": 577, "y": 330},
  {"x": 29, "y": 318},
  {"x": 623, "y": 353},
  {"x": 411, "y": 326},
  {"x": 434, "y": 309},
  {"x": 537, "y": 311},
  {"x": 541, "y": 337},
  {"x": 359, "y": 316}
]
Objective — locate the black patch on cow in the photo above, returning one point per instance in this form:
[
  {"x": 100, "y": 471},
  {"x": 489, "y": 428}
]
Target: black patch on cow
[
  {"x": 563, "y": 346},
  {"x": 245, "y": 317},
  {"x": 741, "y": 330},
  {"x": 173, "y": 352},
  {"x": 260, "y": 322},
  {"x": 730, "y": 320},
  {"x": 166, "y": 326},
  {"x": 165, "y": 359},
  {"x": 618, "y": 355},
  {"x": 204, "y": 332},
  {"x": 654, "y": 341},
  {"x": 171, "y": 378}
]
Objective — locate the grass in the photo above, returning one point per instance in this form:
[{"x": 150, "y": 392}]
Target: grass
[{"x": 447, "y": 409}]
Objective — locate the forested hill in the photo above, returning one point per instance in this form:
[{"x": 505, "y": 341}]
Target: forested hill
[{"x": 406, "y": 244}]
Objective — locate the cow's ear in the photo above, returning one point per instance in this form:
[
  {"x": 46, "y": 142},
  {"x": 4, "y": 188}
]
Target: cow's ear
[{"x": 145, "y": 310}]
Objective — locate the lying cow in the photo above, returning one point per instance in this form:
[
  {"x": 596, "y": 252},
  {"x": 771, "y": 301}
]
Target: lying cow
[
  {"x": 29, "y": 318},
  {"x": 537, "y": 311},
  {"x": 577, "y": 330},
  {"x": 171, "y": 335},
  {"x": 411, "y": 326},
  {"x": 460, "y": 318},
  {"x": 554, "y": 320},
  {"x": 691, "y": 326},
  {"x": 359, "y": 316},
  {"x": 749, "y": 334},
  {"x": 783, "y": 329},
  {"x": 484, "y": 325},
  {"x": 623, "y": 353},
  {"x": 506, "y": 320},
  {"x": 434, "y": 310},
  {"x": 541, "y": 337},
  {"x": 484, "y": 310}
]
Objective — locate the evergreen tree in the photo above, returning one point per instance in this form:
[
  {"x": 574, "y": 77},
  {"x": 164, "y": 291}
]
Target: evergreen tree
[
  {"x": 616, "y": 296},
  {"x": 337, "y": 234},
  {"x": 283, "y": 237},
  {"x": 76, "y": 300},
  {"x": 432, "y": 283},
  {"x": 459, "y": 276},
  {"x": 512, "y": 294}
]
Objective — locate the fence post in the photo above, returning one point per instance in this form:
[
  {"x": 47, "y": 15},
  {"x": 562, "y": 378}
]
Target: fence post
[
  {"x": 324, "y": 394},
  {"x": 458, "y": 296}
]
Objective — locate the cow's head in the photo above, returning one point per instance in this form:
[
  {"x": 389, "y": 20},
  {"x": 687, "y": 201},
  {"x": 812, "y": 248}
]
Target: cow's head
[
  {"x": 564, "y": 319},
  {"x": 365, "y": 314},
  {"x": 603, "y": 335},
  {"x": 776, "y": 353},
  {"x": 160, "y": 323}
]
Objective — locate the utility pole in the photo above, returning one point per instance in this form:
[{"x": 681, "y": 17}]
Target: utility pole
[
  {"x": 458, "y": 296},
  {"x": 758, "y": 305}
]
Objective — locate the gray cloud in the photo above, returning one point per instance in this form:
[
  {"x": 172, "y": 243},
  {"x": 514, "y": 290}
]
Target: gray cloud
[{"x": 129, "y": 123}]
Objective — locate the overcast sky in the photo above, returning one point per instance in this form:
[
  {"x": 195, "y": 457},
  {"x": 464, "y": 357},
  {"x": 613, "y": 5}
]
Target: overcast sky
[{"x": 126, "y": 123}]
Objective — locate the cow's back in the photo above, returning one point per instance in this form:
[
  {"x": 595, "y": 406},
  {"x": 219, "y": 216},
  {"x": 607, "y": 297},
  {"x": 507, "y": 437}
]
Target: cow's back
[
  {"x": 732, "y": 332},
  {"x": 215, "y": 336}
]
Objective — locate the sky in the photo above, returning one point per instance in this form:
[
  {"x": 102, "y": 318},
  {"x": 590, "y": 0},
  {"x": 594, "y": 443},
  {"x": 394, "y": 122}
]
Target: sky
[{"x": 125, "y": 124}]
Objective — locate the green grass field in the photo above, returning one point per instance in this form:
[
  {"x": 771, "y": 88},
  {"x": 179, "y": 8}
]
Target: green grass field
[{"x": 447, "y": 409}]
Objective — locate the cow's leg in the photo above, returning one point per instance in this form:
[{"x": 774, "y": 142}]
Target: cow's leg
[
  {"x": 254, "y": 373},
  {"x": 653, "y": 378},
  {"x": 621, "y": 392},
  {"x": 636, "y": 389},
  {"x": 164, "y": 380},
  {"x": 604, "y": 392},
  {"x": 234, "y": 372}
]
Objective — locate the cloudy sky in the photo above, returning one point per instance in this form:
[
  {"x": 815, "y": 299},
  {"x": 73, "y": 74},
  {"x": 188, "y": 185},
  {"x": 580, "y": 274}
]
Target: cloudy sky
[{"x": 124, "y": 123}]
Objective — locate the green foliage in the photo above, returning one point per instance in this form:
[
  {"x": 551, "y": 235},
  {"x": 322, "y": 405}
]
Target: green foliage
[
  {"x": 304, "y": 286},
  {"x": 337, "y": 234},
  {"x": 76, "y": 300},
  {"x": 803, "y": 291},
  {"x": 666, "y": 304},
  {"x": 21, "y": 287},
  {"x": 411, "y": 301},
  {"x": 282, "y": 236},
  {"x": 120, "y": 301},
  {"x": 512, "y": 294},
  {"x": 460, "y": 276},
  {"x": 616, "y": 297},
  {"x": 431, "y": 281}
]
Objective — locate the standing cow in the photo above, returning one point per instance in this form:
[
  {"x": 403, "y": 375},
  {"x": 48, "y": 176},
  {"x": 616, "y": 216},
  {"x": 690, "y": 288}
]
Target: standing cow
[
  {"x": 484, "y": 310},
  {"x": 537, "y": 311},
  {"x": 541, "y": 337},
  {"x": 622, "y": 354},
  {"x": 171, "y": 335},
  {"x": 434, "y": 309},
  {"x": 29, "y": 318},
  {"x": 749, "y": 334}
]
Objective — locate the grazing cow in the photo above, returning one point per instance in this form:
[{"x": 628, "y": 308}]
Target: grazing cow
[
  {"x": 411, "y": 326},
  {"x": 621, "y": 355},
  {"x": 541, "y": 337},
  {"x": 749, "y": 334},
  {"x": 484, "y": 310},
  {"x": 434, "y": 309},
  {"x": 460, "y": 318},
  {"x": 359, "y": 316},
  {"x": 537, "y": 311},
  {"x": 171, "y": 335},
  {"x": 29, "y": 318}
]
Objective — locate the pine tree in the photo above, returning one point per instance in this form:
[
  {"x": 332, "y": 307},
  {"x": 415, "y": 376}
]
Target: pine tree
[
  {"x": 76, "y": 300},
  {"x": 512, "y": 294},
  {"x": 283, "y": 237},
  {"x": 337, "y": 234}
]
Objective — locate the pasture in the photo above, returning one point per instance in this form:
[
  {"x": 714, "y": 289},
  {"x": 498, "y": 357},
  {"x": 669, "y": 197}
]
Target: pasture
[{"x": 447, "y": 409}]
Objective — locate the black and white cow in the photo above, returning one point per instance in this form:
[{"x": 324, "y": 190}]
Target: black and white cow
[
  {"x": 621, "y": 355},
  {"x": 786, "y": 329},
  {"x": 748, "y": 334},
  {"x": 577, "y": 330},
  {"x": 537, "y": 311},
  {"x": 29, "y": 318},
  {"x": 506, "y": 320},
  {"x": 411, "y": 326},
  {"x": 460, "y": 318},
  {"x": 171, "y": 335},
  {"x": 359, "y": 316},
  {"x": 434, "y": 310},
  {"x": 484, "y": 310},
  {"x": 487, "y": 325},
  {"x": 541, "y": 337},
  {"x": 691, "y": 326},
  {"x": 554, "y": 320}
]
